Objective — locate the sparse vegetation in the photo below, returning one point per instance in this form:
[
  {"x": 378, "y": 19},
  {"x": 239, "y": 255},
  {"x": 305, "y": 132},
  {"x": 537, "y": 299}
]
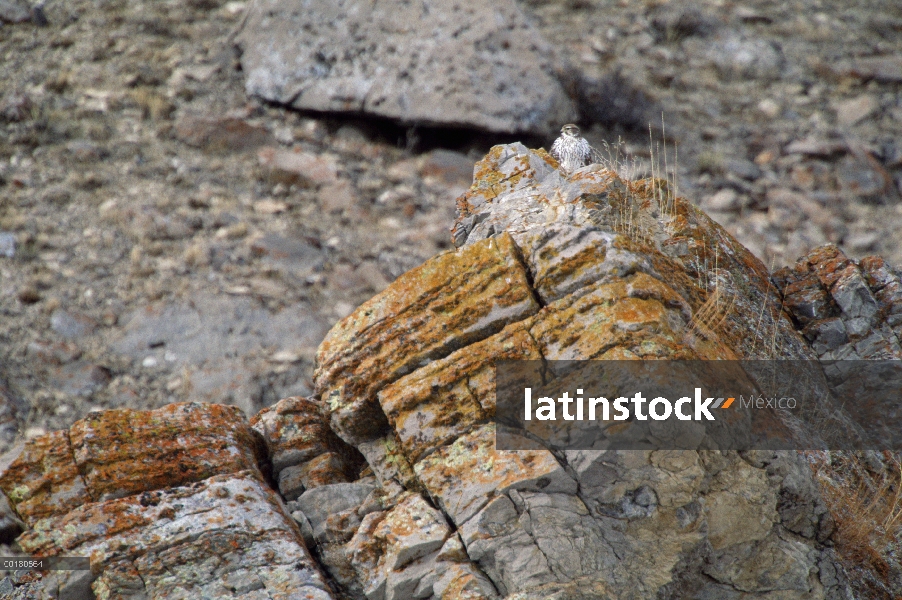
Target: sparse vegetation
[
  {"x": 864, "y": 496},
  {"x": 862, "y": 491}
]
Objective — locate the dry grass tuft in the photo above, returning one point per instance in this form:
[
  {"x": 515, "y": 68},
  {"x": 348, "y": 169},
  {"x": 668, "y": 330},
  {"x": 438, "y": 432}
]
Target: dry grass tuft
[
  {"x": 646, "y": 222},
  {"x": 643, "y": 220},
  {"x": 864, "y": 498},
  {"x": 710, "y": 316}
]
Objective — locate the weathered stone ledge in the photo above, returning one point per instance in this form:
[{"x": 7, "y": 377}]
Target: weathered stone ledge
[{"x": 389, "y": 483}]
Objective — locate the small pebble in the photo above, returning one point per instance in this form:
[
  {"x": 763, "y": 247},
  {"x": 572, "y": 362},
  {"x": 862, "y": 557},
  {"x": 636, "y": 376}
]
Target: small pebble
[{"x": 7, "y": 244}]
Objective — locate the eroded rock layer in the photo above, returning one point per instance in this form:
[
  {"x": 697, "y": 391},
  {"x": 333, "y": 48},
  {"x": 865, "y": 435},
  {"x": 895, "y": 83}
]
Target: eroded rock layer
[
  {"x": 390, "y": 485},
  {"x": 167, "y": 504},
  {"x": 618, "y": 270}
]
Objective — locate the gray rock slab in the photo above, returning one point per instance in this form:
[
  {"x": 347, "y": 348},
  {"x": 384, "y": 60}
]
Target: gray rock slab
[
  {"x": 404, "y": 584},
  {"x": 737, "y": 56},
  {"x": 318, "y": 503},
  {"x": 854, "y": 298},
  {"x": 226, "y": 536},
  {"x": 290, "y": 482},
  {"x": 214, "y": 327},
  {"x": 504, "y": 550},
  {"x": 477, "y": 65},
  {"x": 294, "y": 258},
  {"x": 14, "y": 11},
  {"x": 772, "y": 565},
  {"x": 573, "y": 543},
  {"x": 72, "y": 324},
  {"x": 215, "y": 339}
]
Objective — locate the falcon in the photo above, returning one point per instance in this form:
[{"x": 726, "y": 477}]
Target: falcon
[{"x": 572, "y": 150}]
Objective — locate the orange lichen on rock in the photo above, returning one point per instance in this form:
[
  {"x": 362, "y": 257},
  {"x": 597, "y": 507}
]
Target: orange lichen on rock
[
  {"x": 450, "y": 301},
  {"x": 148, "y": 495},
  {"x": 44, "y": 481},
  {"x": 453, "y": 300},
  {"x": 488, "y": 472},
  {"x": 295, "y": 430},
  {"x": 448, "y": 397},
  {"x": 191, "y": 442},
  {"x": 391, "y": 468}
]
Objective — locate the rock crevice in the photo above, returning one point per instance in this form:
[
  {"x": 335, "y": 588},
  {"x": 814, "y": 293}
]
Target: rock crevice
[{"x": 389, "y": 474}]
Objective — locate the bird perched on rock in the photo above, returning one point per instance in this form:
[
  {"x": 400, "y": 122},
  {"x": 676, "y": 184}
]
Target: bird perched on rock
[{"x": 572, "y": 150}]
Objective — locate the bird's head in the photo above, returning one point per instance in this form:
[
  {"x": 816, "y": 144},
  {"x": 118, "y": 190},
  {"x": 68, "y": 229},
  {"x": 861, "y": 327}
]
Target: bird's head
[{"x": 570, "y": 130}]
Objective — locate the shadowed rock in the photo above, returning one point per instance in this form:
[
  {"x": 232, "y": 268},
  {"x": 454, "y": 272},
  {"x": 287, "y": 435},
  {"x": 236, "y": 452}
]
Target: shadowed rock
[{"x": 846, "y": 309}]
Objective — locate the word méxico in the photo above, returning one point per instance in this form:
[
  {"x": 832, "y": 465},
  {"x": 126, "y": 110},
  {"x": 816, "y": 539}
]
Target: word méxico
[{"x": 659, "y": 408}]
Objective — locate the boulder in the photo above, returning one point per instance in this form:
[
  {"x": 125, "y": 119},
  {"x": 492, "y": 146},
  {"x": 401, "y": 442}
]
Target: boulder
[
  {"x": 616, "y": 269},
  {"x": 846, "y": 309},
  {"x": 391, "y": 59}
]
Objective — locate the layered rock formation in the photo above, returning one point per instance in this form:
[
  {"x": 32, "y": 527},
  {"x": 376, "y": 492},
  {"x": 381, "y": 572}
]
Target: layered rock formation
[
  {"x": 389, "y": 483},
  {"x": 168, "y": 504},
  {"x": 847, "y": 310}
]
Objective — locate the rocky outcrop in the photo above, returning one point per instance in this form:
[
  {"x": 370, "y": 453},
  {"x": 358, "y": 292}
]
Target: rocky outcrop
[
  {"x": 391, "y": 485},
  {"x": 616, "y": 269},
  {"x": 169, "y": 503},
  {"x": 846, "y": 309},
  {"x": 440, "y": 64},
  {"x": 850, "y": 311}
]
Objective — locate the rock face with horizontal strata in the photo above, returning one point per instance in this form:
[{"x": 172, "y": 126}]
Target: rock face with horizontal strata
[
  {"x": 390, "y": 474},
  {"x": 170, "y": 503},
  {"x": 614, "y": 273}
]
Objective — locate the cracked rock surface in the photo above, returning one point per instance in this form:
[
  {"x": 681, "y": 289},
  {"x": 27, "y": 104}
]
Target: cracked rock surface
[
  {"x": 166, "y": 238},
  {"x": 389, "y": 483}
]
